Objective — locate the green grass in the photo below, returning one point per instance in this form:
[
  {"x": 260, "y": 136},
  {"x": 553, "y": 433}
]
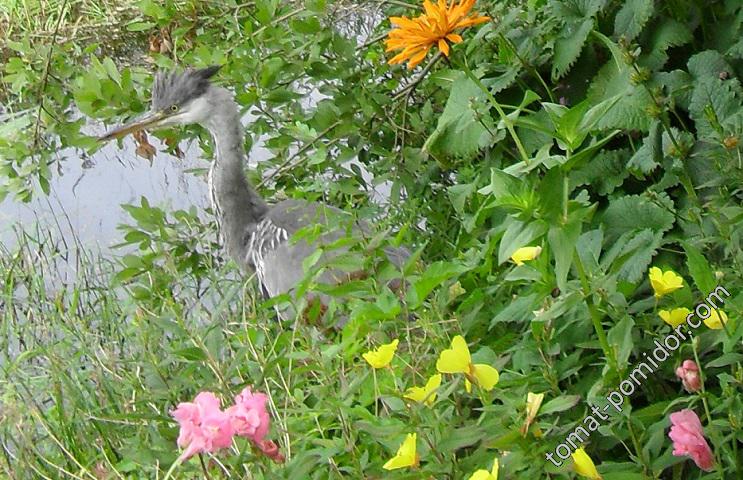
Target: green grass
[
  {"x": 90, "y": 369},
  {"x": 43, "y": 17}
]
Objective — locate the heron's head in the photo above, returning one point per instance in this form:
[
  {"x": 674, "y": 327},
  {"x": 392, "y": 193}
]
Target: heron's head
[{"x": 177, "y": 99}]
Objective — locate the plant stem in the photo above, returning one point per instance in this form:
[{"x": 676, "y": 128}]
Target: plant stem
[
  {"x": 703, "y": 397},
  {"x": 596, "y": 317},
  {"x": 504, "y": 118}
]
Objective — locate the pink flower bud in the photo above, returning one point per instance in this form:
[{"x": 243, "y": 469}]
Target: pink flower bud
[{"x": 688, "y": 372}]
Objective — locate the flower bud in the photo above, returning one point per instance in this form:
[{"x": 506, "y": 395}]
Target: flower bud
[{"x": 688, "y": 372}]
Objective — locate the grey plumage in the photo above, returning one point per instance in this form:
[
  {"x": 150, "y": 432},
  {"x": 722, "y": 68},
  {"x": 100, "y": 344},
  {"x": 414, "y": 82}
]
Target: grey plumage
[
  {"x": 174, "y": 88},
  {"x": 257, "y": 236}
]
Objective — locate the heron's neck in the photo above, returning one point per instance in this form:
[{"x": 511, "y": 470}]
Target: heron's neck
[{"x": 235, "y": 202}]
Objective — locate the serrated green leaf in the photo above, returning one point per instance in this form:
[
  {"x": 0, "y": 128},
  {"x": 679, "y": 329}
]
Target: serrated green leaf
[
  {"x": 605, "y": 172},
  {"x": 632, "y": 17},
  {"x": 648, "y": 157},
  {"x": 631, "y": 255},
  {"x": 633, "y": 212},
  {"x": 465, "y": 125},
  {"x": 630, "y": 110},
  {"x": 667, "y": 34},
  {"x": 569, "y": 46}
]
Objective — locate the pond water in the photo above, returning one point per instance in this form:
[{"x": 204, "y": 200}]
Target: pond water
[{"x": 86, "y": 194}]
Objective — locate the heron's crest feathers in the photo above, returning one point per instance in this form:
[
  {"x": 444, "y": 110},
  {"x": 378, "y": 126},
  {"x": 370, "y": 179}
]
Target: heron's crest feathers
[{"x": 178, "y": 88}]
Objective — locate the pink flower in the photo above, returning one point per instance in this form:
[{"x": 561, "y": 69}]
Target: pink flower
[
  {"x": 249, "y": 416},
  {"x": 204, "y": 427},
  {"x": 688, "y": 372},
  {"x": 688, "y": 439}
]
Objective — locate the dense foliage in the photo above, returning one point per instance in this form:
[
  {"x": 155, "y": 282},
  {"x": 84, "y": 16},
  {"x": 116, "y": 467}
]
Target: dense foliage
[{"x": 605, "y": 131}]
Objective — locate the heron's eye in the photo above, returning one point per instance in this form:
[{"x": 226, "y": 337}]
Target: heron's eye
[{"x": 174, "y": 108}]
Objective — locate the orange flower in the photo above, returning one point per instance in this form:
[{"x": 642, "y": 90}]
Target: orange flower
[{"x": 416, "y": 36}]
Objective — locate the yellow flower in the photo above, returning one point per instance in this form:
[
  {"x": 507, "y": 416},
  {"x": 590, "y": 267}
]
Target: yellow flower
[
  {"x": 584, "y": 465},
  {"x": 716, "y": 320},
  {"x": 416, "y": 36},
  {"x": 457, "y": 360},
  {"x": 382, "y": 356},
  {"x": 533, "y": 402},
  {"x": 425, "y": 394},
  {"x": 485, "y": 475},
  {"x": 524, "y": 254},
  {"x": 406, "y": 455},
  {"x": 664, "y": 282},
  {"x": 675, "y": 317}
]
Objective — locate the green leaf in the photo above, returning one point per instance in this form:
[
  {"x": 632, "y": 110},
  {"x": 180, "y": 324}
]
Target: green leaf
[
  {"x": 725, "y": 359},
  {"x": 517, "y": 311},
  {"x": 465, "y": 126},
  {"x": 631, "y": 255},
  {"x": 435, "y": 275},
  {"x": 667, "y": 34},
  {"x": 648, "y": 157},
  {"x": 605, "y": 172},
  {"x": 569, "y": 46},
  {"x": 559, "y": 404},
  {"x": 633, "y": 212},
  {"x": 699, "y": 268},
  {"x": 713, "y": 101},
  {"x": 190, "y": 353},
  {"x": 140, "y": 26},
  {"x": 630, "y": 110},
  {"x": 307, "y": 26},
  {"x": 632, "y": 17},
  {"x": 562, "y": 240},
  {"x": 620, "y": 339},
  {"x": 518, "y": 234},
  {"x": 461, "y": 438},
  {"x": 458, "y": 195}
]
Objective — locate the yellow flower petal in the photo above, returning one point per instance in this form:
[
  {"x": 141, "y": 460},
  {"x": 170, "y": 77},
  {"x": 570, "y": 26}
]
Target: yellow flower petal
[
  {"x": 584, "y": 465},
  {"x": 406, "y": 455},
  {"x": 455, "y": 359},
  {"x": 716, "y": 320},
  {"x": 486, "y": 376},
  {"x": 674, "y": 317},
  {"x": 533, "y": 402},
  {"x": 382, "y": 356},
  {"x": 524, "y": 254},
  {"x": 483, "y": 474},
  {"x": 664, "y": 282},
  {"x": 427, "y": 393}
]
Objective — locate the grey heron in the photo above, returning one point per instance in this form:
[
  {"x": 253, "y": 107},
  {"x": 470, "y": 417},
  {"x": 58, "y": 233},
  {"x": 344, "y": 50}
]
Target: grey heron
[{"x": 255, "y": 234}]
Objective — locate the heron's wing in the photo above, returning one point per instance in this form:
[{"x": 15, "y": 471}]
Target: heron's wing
[
  {"x": 277, "y": 259},
  {"x": 283, "y": 263}
]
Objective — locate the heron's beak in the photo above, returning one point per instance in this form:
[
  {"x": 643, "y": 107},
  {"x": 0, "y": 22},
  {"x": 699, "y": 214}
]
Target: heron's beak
[{"x": 149, "y": 120}]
